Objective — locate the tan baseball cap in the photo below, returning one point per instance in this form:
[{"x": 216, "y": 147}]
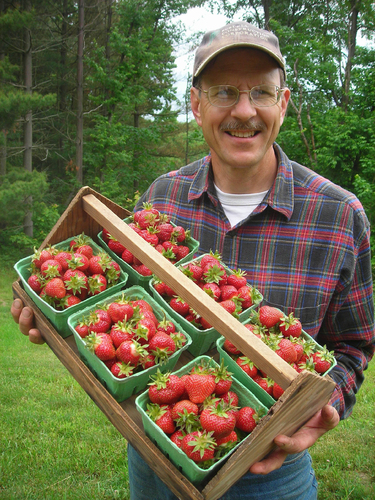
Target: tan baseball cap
[{"x": 238, "y": 34}]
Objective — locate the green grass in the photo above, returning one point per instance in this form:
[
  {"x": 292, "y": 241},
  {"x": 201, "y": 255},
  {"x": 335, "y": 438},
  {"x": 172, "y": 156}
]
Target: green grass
[{"x": 56, "y": 444}]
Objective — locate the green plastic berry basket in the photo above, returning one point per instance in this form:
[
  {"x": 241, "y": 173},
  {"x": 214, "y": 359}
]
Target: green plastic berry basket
[
  {"x": 122, "y": 389},
  {"x": 247, "y": 381},
  {"x": 186, "y": 466},
  {"x": 135, "y": 278},
  {"x": 202, "y": 340},
  {"x": 58, "y": 318}
]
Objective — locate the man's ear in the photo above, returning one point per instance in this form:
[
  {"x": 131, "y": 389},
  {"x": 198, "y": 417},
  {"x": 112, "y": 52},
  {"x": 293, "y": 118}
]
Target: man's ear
[
  {"x": 284, "y": 104},
  {"x": 195, "y": 105}
]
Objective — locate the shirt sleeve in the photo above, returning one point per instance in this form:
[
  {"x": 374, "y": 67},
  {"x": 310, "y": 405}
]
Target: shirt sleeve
[{"x": 348, "y": 328}]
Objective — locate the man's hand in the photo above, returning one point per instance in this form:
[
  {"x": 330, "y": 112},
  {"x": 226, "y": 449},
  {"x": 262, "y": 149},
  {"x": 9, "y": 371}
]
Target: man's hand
[
  {"x": 325, "y": 420},
  {"x": 24, "y": 316}
]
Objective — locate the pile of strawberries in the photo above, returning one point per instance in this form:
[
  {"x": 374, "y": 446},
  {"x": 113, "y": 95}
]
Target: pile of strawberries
[
  {"x": 227, "y": 287},
  {"x": 127, "y": 336},
  {"x": 200, "y": 412},
  {"x": 283, "y": 334},
  {"x": 157, "y": 229},
  {"x": 65, "y": 277}
]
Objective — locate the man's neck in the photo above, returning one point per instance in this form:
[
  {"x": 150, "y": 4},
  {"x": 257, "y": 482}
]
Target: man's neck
[{"x": 246, "y": 180}]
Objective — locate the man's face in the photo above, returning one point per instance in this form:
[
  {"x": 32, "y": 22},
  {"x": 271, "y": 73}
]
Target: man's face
[{"x": 240, "y": 136}]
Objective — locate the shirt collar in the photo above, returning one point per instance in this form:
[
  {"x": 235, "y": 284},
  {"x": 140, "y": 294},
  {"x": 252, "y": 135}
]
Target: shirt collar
[{"x": 280, "y": 197}]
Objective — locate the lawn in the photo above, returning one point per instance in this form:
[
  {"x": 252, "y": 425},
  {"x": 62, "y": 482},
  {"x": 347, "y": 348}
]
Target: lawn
[{"x": 56, "y": 444}]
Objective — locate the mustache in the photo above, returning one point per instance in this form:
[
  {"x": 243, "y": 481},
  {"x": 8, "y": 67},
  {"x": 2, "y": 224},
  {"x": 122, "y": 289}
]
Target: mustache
[{"x": 249, "y": 125}]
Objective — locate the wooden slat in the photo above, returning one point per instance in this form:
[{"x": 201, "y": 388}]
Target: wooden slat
[{"x": 262, "y": 356}]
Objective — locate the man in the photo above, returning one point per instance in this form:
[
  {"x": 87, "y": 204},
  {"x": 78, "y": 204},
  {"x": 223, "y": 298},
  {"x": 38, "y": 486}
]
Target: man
[{"x": 303, "y": 241}]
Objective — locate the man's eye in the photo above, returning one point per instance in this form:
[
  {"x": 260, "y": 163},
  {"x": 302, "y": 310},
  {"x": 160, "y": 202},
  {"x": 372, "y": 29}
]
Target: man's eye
[{"x": 224, "y": 93}]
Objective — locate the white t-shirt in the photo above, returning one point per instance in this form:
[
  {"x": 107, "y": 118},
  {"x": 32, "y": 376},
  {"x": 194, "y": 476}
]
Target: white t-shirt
[{"x": 239, "y": 206}]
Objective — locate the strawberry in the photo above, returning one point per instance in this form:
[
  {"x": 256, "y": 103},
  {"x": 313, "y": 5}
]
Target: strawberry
[
  {"x": 51, "y": 268},
  {"x": 97, "y": 283},
  {"x": 214, "y": 272},
  {"x": 178, "y": 234},
  {"x": 150, "y": 236},
  {"x": 63, "y": 258},
  {"x": 183, "y": 251},
  {"x": 85, "y": 250},
  {"x": 237, "y": 279},
  {"x": 130, "y": 351},
  {"x": 167, "y": 326},
  {"x": 228, "y": 292},
  {"x": 69, "y": 301},
  {"x": 35, "y": 282},
  {"x": 199, "y": 386},
  {"x": 122, "y": 370},
  {"x": 211, "y": 257},
  {"x": 99, "y": 321},
  {"x": 218, "y": 421},
  {"x": 247, "y": 366},
  {"x": 105, "y": 235},
  {"x": 290, "y": 326},
  {"x": 270, "y": 316},
  {"x": 247, "y": 419},
  {"x": 147, "y": 361},
  {"x": 162, "y": 417},
  {"x": 246, "y": 296},
  {"x": 322, "y": 360},
  {"x": 159, "y": 286},
  {"x": 230, "y": 439},
  {"x": 116, "y": 246},
  {"x": 179, "y": 408},
  {"x": 230, "y": 347},
  {"x": 127, "y": 257},
  {"x": 230, "y": 306},
  {"x": 179, "y": 305},
  {"x": 193, "y": 271},
  {"x": 98, "y": 264},
  {"x": 143, "y": 270},
  {"x": 230, "y": 398},
  {"x": 55, "y": 288},
  {"x": 41, "y": 256},
  {"x": 120, "y": 332},
  {"x": 82, "y": 329},
  {"x": 162, "y": 346},
  {"x": 165, "y": 231},
  {"x": 198, "y": 446},
  {"x": 75, "y": 281},
  {"x": 223, "y": 379},
  {"x": 177, "y": 437},
  {"x": 286, "y": 350},
  {"x": 265, "y": 383},
  {"x": 213, "y": 290},
  {"x": 101, "y": 345},
  {"x": 148, "y": 217},
  {"x": 120, "y": 310},
  {"x": 277, "y": 391},
  {"x": 165, "y": 388},
  {"x": 79, "y": 261}
]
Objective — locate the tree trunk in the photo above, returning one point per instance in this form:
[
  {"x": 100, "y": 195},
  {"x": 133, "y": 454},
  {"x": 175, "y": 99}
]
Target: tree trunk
[
  {"x": 28, "y": 123},
  {"x": 79, "y": 141},
  {"x": 352, "y": 37}
]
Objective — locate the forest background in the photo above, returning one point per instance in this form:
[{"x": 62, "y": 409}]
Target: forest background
[{"x": 88, "y": 96}]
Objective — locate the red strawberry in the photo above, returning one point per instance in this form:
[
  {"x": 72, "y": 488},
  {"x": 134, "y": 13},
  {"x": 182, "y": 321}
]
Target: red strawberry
[
  {"x": 213, "y": 290},
  {"x": 162, "y": 417},
  {"x": 177, "y": 437},
  {"x": 211, "y": 257},
  {"x": 79, "y": 261},
  {"x": 120, "y": 310},
  {"x": 105, "y": 235},
  {"x": 199, "y": 386},
  {"x": 99, "y": 264},
  {"x": 165, "y": 388},
  {"x": 223, "y": 379},
  {"x": 143, "y": 270},
  {"x": 150, "y": 236},
  {"x": 193, "y": 271},
  {"x": 183, "y": 251},
  {"x": 265, "y": 383},
  {"x": 286, "y": 350},
  {"x": 69, "y": 301},
  {"x": 55, "y": 288},
  {"x": 247, "y": 366},
  {"x": 127, "y": 257},
  {"x": 179, "y": 305},
  {"x": 99, "y": 321},
  {"x": 230, "y": 439},
  {"x": 228, "y": 292},
  {"x": 165, "y": 231},
  {"x": 231, "y": 348},
  {"x": 179, "y": 408},
  {"x": 101, "y": 345},
  {"x": 82, "y": 329},
  {"x": 162, "y": 346},
  {"x": 218, "y": 421},
  {"x": 246, "y": 296},
  {"x": 247, "y": 419},
  {"x": 167, "y": 326},
  {"x": 198, "y": 446},
  {"x": 63, "y": 258},
  {"x": 75, "y": 281},
  {"x": 130, "y": 351},
  {"x": 147, "y": 361},
  {"x": 237, "y": 279},
  {"x": 97, "y": 283},
  {"x": 270, "y": 316},
  {"x": 116, "y": 246},
  {"x": 230, "y": 398},
  {"x": 51, "y": 268},
  {"x": 35, "y": 283},
  {"x": 41, "y": 256},
  {"x": 322, "y": 360},
  {"x": 85, "y": 250},
  {"x": 178, "y": 234},
  {"x": 277, "y": 391},
  {"x": 122, "y": 370},
  {"x": 121, "y": 332},
  {"x": 290, "y": 326}
]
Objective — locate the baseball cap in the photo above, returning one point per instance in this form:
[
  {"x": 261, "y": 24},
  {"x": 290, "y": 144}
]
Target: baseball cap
[{"x": 238, "y": 34}]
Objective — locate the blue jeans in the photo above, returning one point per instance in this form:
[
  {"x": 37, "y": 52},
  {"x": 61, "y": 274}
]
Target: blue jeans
[{"x": 295, "y": 480}]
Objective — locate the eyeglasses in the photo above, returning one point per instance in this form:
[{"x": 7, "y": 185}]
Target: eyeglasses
[{"x": 224, "y": 96}]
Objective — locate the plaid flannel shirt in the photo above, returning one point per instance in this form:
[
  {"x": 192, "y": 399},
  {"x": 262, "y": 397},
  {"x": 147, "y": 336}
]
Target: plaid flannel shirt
[{"x": 306, "y": 248}]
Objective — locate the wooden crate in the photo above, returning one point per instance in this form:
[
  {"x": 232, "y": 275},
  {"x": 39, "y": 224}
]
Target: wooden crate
[{"x": 304, "y": 395}]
